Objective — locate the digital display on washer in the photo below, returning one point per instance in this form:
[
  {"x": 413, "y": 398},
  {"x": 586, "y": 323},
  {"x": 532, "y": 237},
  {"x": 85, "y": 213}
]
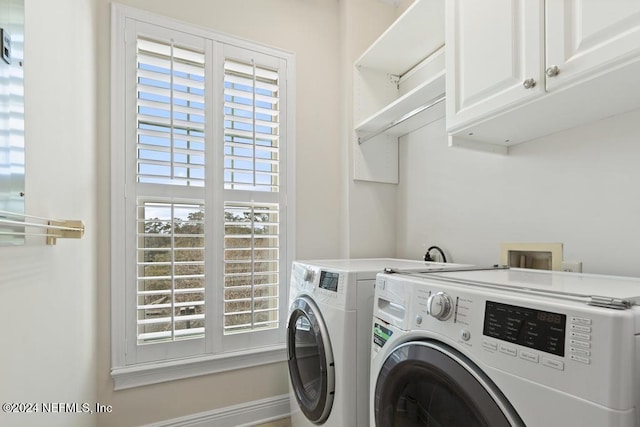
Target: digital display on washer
[
  {"x": 329, "y": 281},
  {"x": 540, "y": 330}
]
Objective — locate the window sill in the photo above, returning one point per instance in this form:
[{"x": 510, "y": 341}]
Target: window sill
[{"x": 153, "y": 373}]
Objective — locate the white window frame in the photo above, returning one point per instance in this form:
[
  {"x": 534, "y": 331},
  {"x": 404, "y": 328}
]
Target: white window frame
[{"x": 216, "y": 352}]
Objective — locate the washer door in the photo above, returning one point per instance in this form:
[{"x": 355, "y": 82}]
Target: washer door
[
  {"x": 427, "y": 383},
  {"x": 311, "y": 366}
]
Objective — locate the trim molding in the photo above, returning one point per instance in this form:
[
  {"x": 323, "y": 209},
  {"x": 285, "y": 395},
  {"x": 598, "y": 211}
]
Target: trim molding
[
  {"x": 153, "y": 373},
  {"x": 244, "y": 414}
]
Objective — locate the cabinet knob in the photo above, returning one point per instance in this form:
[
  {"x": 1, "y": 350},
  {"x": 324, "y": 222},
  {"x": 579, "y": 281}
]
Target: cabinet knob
[
  {"x": 552, "y": 71},
  {"x": 529, "y": 83}
]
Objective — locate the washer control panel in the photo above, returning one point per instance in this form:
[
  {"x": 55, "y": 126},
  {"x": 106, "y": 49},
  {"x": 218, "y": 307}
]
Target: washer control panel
[
  {"x": 540, "y": 330},
  {"x": 528, "y": 327},
  {"x": 513, "y": 333}
]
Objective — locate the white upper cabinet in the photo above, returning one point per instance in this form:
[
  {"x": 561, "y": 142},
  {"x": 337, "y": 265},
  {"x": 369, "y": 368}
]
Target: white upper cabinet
[
  {"x": 521, "y": 69},
  {"x": 588, "y": 36},
  {"x": 494, "y": 53}
]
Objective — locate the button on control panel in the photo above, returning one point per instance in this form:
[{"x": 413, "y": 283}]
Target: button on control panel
[
  {"x": 579, "y": 346},
  {"x": 553, "y": 363},
  {"x": 529, "y": 356},
  {"x": 525, "y": 355},
  {"x": 489, "y": 344},
  {"x": 507, "y": 349},
  {"x": 580, "y": 339}
]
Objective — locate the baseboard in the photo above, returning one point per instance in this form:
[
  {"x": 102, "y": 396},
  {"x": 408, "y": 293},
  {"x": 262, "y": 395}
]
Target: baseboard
[{"x": 244, "y": 414}]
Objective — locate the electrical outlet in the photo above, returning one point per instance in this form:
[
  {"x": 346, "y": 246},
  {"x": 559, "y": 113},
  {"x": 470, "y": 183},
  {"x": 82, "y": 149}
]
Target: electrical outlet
[{"x": 572, "y": 266}]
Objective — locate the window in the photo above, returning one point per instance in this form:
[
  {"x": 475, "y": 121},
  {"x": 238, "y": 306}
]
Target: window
[{"x": 201, "y": 176}]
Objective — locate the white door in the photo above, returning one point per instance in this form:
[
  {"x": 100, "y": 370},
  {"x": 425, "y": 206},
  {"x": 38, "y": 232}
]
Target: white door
[
  {"x": 586, "y": 37},
  {"x": 493, "y": 48}
]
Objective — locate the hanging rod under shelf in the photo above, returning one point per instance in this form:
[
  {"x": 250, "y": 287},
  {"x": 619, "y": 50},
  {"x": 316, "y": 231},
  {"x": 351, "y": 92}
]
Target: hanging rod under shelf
[
  {"x": 55, "y": 228},
  {"x": 431, "y": 103}
]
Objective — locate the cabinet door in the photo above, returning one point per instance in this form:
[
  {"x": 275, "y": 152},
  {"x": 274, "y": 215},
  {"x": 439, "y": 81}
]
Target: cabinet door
[
  {"x": 493, "y": 47},
  {"x": 587, "y": 37}
]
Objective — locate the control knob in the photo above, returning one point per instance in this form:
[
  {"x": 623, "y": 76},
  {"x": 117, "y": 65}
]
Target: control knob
[{"x": 440, "y": 306}]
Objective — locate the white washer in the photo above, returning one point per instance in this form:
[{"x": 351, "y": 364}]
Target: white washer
[
  {"x": 504, "y": 347},
  {"x": 328, "y": 342}
]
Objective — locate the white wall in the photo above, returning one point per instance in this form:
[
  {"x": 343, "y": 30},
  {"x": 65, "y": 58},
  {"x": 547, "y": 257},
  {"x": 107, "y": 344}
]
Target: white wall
[
  {"x": 370, "y": 227},
  {"x": 308, "y": 28},
  {"x": 578, "y": 187},
  {"x": 48, "y": 293}
]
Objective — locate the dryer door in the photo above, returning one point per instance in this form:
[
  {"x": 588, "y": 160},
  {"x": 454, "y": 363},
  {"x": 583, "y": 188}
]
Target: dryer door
[
  {"x": 311, "y": 368},
  {"x": 427, "y": 383}
]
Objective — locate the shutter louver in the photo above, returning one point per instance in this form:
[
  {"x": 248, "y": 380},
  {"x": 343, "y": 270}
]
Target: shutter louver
[
  {"x": 171, "y": 276},
  {"x": 251, "y": 127},
  {"x": 170, "y": 114},
  {"x": 251, "y": 272}
]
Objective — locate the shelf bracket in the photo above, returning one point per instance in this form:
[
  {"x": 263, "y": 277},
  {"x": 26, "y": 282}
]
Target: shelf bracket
[{"x": 395, "y": 80}]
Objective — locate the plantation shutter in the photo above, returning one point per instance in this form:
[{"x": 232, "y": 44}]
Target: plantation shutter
[
  {"x": 251, "y": 127},
  {"x": 251, "y": 274},
  {"x": 170, "y": 153},
  {"x": 252, "y": 238},
  {"x": 171, "y": 275},
  {"x": 199, "y": 218},
  {"x": 170, "y": 114}
]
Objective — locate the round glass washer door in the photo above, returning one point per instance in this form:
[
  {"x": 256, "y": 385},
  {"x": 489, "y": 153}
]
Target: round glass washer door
[
  {"x": 311, "y": 366},
  {"x": 427, "y": 383}
]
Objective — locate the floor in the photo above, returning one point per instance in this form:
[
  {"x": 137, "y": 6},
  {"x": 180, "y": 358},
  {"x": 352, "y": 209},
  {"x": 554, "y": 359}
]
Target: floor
[{"x": 285, "y": 422}]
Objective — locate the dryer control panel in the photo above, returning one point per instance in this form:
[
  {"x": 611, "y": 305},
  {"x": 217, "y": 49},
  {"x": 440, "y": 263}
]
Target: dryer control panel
[
  {"x": 329, "y": 280},
  {"x": 326, "y": 285}
]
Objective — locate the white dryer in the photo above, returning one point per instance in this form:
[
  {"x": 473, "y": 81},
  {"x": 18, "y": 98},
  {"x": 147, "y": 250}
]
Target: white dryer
[
  {"x": 505, "y": 347},
  {"x": 328, "y": 342}
]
